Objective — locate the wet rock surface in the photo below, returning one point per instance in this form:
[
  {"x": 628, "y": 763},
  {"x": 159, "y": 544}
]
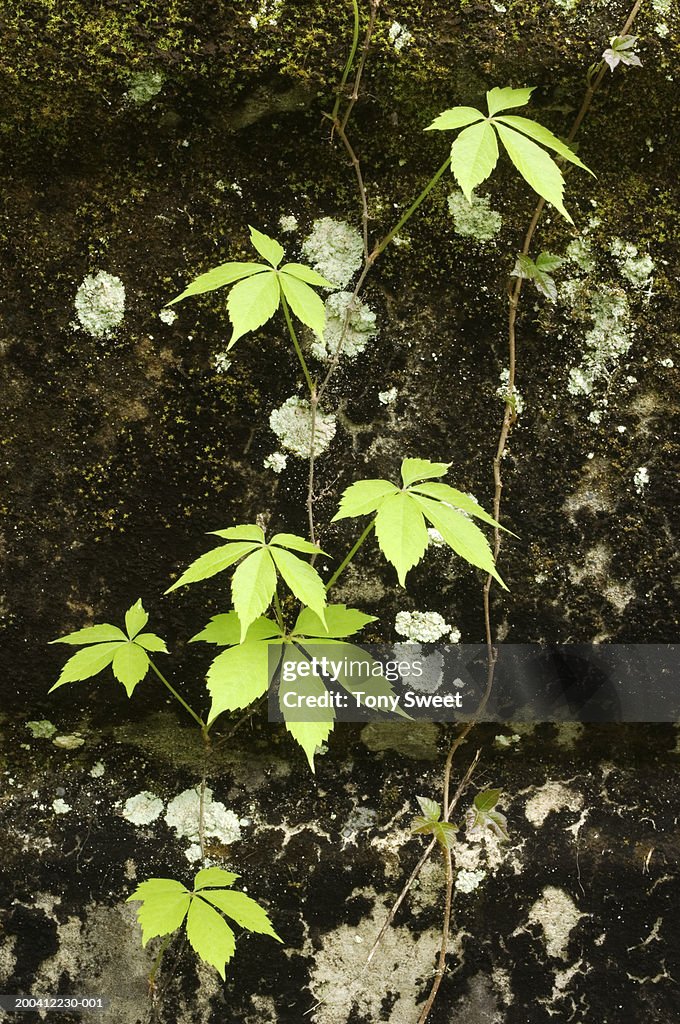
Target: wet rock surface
[{"x": 144, "y": 141}]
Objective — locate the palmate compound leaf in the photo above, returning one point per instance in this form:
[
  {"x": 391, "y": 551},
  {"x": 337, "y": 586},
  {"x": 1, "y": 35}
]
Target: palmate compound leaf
[
  {"x": 242, "y": 673},
  {"x": 167, "y": 904},
  {"x": 475, "y": 152},
  {"x": 110, "y": 646},
  {"x": 254, "y": 581},
  {"x": 400, "y": 516},
  {"x": 258, "y": 287},
  {"x": 539, "y": 272}
]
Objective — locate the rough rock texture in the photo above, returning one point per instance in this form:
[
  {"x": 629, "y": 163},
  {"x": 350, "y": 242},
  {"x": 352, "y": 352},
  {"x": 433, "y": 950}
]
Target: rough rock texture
[{"x": 120, "y": 451}]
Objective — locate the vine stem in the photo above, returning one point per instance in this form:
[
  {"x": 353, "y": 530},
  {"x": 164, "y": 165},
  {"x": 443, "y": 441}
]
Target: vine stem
[
  {"x": 348, "y": 557},
  {"x": 508, "y": 421},
  {"x": 350, "y": 61},
  {"x": 296, "y": 345},
  {"x": 197, "y": 718}
]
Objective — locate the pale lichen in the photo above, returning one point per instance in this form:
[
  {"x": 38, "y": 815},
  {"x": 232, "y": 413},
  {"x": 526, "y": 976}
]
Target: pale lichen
[
  {"x": 349, "y": 319},
  {"x": 100, "y": 304},
  {"x": 292, "y": 424},
  {"x": 276, "y": 462},
  {"x": 143, "y": 808},
  {"x": 144, "y": 85},
  {"x": 474, "y": 219},
  {"x": 422, "y": 627},
  {"x": 335, "y": 249}
]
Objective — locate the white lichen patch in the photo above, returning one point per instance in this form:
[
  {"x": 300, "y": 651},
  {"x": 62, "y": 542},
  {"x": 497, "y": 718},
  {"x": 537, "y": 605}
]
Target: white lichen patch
[
  {"x": 42, "y": 729},
  {"x": 558, "y": 915},
  {"x": 60, "y": 806},
  {"x": 474, "y": 219},
  {"x": 143, "y": 808},
  {"x": 399, "y": 36},
  {"x": 292, "y": 424},
  {"x": 608, "y": 339},
  {"x": 387, "y": 397},
  {"x": 218, "y": 822},
  {"x": 553, "y": 796},
  {"x": 579, "y": 251},
  {"x": 335, "y": 249},
  {"x": 343, "y": 990},
  {"x": 288, "y": 223},
  {"x": 354, "y": 326},
  {"x": 69, "y": 741},
  {"x": 97, "y": 770},
  {"x": 267, "y": 13},
  {"x": 432, "y": 667},
  {"x": 505, "y": 742},
  {"x": 436, "y": 539},
  {"x": 468, "y": 881},
  {"x": 635, "y": 268},
  {"x": 276, "y": 462},
  {"x": 144, "y": 85},
  {"x": 221, "y": 362},
  {"x": 641, "y": 479},
  {"x": 167, "y": 316},
  {"x": 421, "y": 627},
  {"x": 100, "y": 304}
]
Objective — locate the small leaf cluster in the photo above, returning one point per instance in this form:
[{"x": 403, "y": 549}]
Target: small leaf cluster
[
  {"x": 109, "y": 645},
  {"x": 401, "y": 514},
  {"x": 260, "y": 288},
  {"x": 621, "y": 51},
  {"x": 539, "y": 272},
  {"x": 474, "y": 153},
  {"x": 430, "y": 823},
  {"x": 483, "y": 816},
  {"x": 168, "y": 904}
]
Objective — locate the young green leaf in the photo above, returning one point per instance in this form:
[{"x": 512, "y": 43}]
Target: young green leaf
[
  {"x": 302, "y": 579},
  {"x": 461, "y": 534},
  {"x": 87, "y": 663},
  {"x": 226, "y": 630},
  {"x": 269, "y": 249},
  {"x": 209, "y": 935},
  {"x": 340, "y": 622},
  {"x": 537, "y": 168},
  {"x": 363, "y": 497},
  {"x": 306, "y": 274},
  {"x": 442, "y": 492},
  {"x": 135, "y": 619},
  {"x": 92, "y": 635},
  {"x": 304, "y": 302},
  {"x": 165, "y": 903},
  {"x": 539, "y": 272},
  {"x": 226, "y": 273},
  {"x": 212, "y": 562},
  {"x": 456, "y": 117},
  {"x": 249, "y": 532},
  {"x": 504, "y": 99},
  {"x": 239, "y": 676},
  {"x": 430, "y": 808},
  {"x": 481, "y": 819},
  {"x": 620, "y": 51},
  {"x": 151, "y": 642},
  {"x": 130, "y": 665},
  {"x": 252, "y": 587},
  {"x": 401, "y": 533},
  {"x": 487, "y": 799},
  {"x": 295, "y": 543},
  {"x": 474, "y": 154},
  {"x": 422, "y": 469},
  {"x": 214, "y": 876},
  {"x": 546, "y": 138},
  {"x": 251, "y": 303},
  {"x": 310, "y": 736},
  {"x": 242, "y": 909}
]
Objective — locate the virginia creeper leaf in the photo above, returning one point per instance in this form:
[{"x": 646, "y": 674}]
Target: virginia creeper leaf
[
  {"x": 461, "y": 534},
  {"x": 362, "y": 497},
  {"x": 252, "y": 587},
  {"x": 210, "y": 935},
  {"x": 248, "y": 532},
  {"x": 238, "y": 676},
  {"x": 130, "y": 665},
  {"x": 305, "y": 303},
  {"x": 226, "y": 273},
  {"x": 306, "y": 274},
  {"x": 87, "y": 663},
  {"x": 422, "y": 469},
  {"x": 474, "y": 154},
  {"x": 226, "y": 630},
  {"x": 545, "y": 137},
  {"x": 504, "y": 99},
  {"x": 151, "y": 642},
  {"x": 442, "y": 492},
  {"x": 212, "y": 562},
  {"x": 92, "y": 635},
  {"x": 269, "y": 249},
  {"x": 310, "y": 735},
  {"x": 401, "y": 532},
  {"x": 165, "y": 903},
  {"x": 340, "y": 622},
  {"x": 302, "y": 579},
  {"x": 295, "y": 543},
  {"x": 242, "y": 909},
  {"x": 214, "y": 876},
  {"x": 135, "y": 619},
  {"x": 537, "y": 168},
  {"x": 456, "y": 117},
  {"x": 251, "y": 303}
]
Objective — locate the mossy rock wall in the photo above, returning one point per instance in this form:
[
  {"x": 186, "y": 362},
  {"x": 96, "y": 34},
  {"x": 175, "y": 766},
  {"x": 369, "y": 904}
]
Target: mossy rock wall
[{"x": 140, "y": 140}]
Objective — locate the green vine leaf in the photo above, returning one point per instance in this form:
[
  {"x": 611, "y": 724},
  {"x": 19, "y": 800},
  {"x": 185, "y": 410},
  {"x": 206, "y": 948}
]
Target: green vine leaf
[
  {"x": 109, "y": 645},
  {"x": 620, "y": 51},
  {"x": 540, "y": 272},
  {"x": 257, "y": 288},
  {"x": 401, "y": 517},
  {"x": 429, "y": 823},
  {"x": 474, "y": 153},
  {"x": 483, "y": 816},
  {"x": 167, "y": 904},
  {"x": 242, "y": 673},
  {"x": 254, "y": 582}
]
